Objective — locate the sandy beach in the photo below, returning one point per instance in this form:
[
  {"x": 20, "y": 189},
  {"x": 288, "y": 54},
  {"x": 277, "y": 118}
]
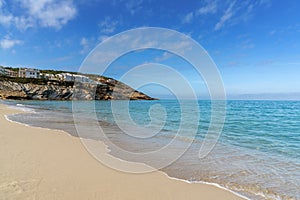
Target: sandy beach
[{"x": 46, "y": 164}]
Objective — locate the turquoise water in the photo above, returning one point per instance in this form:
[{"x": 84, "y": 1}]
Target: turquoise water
[{"x": 257, "y": 154}]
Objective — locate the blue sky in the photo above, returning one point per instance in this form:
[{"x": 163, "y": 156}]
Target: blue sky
[{"x": 254, "y": 43}]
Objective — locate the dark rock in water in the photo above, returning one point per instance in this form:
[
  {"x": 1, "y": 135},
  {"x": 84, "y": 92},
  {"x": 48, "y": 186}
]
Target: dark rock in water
[{"x": 104, "y": 89}]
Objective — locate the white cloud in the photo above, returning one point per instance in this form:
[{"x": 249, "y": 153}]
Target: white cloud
[
  {"x": 45, "y": 13},
  {"x": 108, "y": 25},
  {"x": 6, "y": 19},
  {"x": 240, "y": 11},
  {"x": 134, "y": 6},
  {"x": 50, "y": 13},
  {"x": 227, "y": 15},
  {"x": 166, "y": 55},
  {"x": 210, "y": 8},
  {"x": 7, "y": 43},
  {"x": 267, "y": 3},
  {"x": 84, "y": 42},
  {"x": 101, "y": 38},
  {"x": 188, "y": 18},
  {"x": 247, "y": 44},
  {"x": 88, "y": 44},
  {"x": 234, "y": 13}
]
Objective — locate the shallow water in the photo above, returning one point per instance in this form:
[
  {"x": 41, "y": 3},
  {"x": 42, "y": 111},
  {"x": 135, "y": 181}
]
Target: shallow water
[{"x": 257, "y": 155}]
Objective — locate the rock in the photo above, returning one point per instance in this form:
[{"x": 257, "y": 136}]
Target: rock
[{"x": 109, "y": 89}]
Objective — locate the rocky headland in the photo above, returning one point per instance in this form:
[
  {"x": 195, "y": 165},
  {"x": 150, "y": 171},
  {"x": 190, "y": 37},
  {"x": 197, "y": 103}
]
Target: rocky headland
[{"x": 40, "y": 89}]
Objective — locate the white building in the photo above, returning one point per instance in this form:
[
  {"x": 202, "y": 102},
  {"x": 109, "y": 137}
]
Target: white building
[
  {"x": 67, "y": 77},
  {"x": 60, "y": 77},
  {"x": 83, "y": 79},
  {"x": 74, "y": 77},
  {"x": 49, "y": 76},
  {"x": 71, "y": 77},
  {"x": 29, "y": 73},
  {"x": 11, "y": 73}
]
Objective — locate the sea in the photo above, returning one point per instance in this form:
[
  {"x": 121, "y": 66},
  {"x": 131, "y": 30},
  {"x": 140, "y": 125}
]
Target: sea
[{"x": 256, "y": 155}]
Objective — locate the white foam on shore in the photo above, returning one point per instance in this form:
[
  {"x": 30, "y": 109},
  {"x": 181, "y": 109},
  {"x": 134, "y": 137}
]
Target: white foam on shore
[
  {"x": 22, "y": 108},
  {"x": 207, "y": 183},
  {"x": 19, "y": 107},
  {"x": 28, "y": 110},
  {"x": 6, "y": 117},
  {"x": 33, "y": 126}
]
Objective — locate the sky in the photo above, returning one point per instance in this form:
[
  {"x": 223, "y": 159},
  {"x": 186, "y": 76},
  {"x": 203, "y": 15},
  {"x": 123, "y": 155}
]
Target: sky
[{"x": 255, "y": 44}]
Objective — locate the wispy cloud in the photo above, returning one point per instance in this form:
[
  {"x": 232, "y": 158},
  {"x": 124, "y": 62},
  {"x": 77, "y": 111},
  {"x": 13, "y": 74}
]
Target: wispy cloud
[
  {"x": 166, "y": 55},
  {"x": 209, "y": 8},
  {"x": 266, "y": 3},
  {"x": 272, "y": 32},
  {"x": 85, "y": 44},
  {"x": 240, "y": 11},
  {"x": 7, "y": 42},
  {"x": 88, "y": 44},
  {"x": 247, "y": 44},
  {"x": 6, "y": 18},
  {"x": 188, "y": 18},
  {"x": 233, "y": 12},
  {"x": 101, "y": 38},
  {"x": 108, "y": 26},
  {"x": 44, "y": 13},
  {"x": 227, "y": 15},
  {"x": 134, "y": 6}
]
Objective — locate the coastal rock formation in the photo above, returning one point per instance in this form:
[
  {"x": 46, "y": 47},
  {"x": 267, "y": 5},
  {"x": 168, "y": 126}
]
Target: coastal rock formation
[{"x": 105, "y": 89}]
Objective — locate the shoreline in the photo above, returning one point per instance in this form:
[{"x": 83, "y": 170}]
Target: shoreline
[{"x": 187, "y": 189}]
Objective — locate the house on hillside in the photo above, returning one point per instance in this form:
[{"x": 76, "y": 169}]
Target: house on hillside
[
  {"x": 8, "y": 72},
  {"x": 29, "y": 73},
  {"x": 74, "y": 77},
  {"x": 83, "y": 79},
  {"x": 67, "y": 77},
  {"x": 51, "y": 77},
  {"x": 11, "y": 73},
  {"x": 59, "y": 77}
]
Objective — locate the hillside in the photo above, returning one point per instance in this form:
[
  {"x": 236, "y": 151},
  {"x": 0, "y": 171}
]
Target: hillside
[{"x": 42, "y": 89}]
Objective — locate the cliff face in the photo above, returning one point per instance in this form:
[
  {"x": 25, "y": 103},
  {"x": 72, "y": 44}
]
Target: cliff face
[{"x": 113, "y": 90}]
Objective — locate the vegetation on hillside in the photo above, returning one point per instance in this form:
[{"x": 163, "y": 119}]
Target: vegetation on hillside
[
  {"x": 49, "y": 71},
  {"x": 38, "y": 81},
  {"x": 12, "y": 69}
]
